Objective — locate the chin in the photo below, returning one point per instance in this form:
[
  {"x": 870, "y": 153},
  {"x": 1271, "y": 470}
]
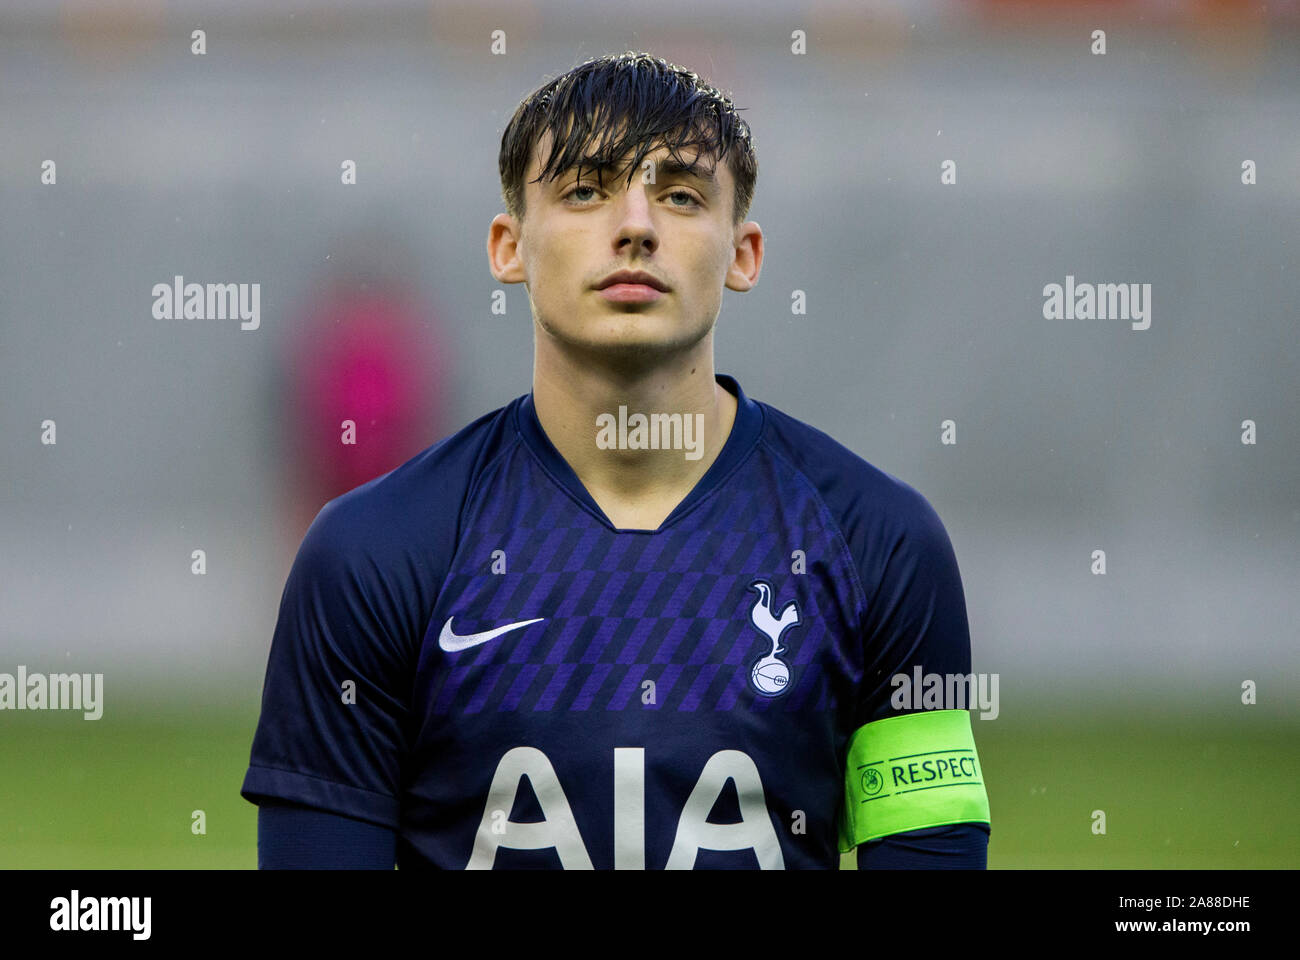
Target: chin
[{"x": 630, "y": 337}]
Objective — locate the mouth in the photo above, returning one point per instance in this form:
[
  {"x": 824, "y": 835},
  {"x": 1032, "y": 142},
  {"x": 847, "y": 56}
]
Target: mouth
[
  {"x": 632, "y": 286},
  {"x": 630, "y": 293}
]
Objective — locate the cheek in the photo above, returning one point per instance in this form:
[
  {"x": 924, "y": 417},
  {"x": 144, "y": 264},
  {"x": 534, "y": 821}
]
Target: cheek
[
  {"x": 556, "y": 269},
  {"x": 719, "y": 258},
  {"x": 713, "y": 269}
]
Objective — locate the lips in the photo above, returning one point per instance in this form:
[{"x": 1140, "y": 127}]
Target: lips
[
  {"x": 630, "y": 293},
  {"x": 638, "y": 277}
]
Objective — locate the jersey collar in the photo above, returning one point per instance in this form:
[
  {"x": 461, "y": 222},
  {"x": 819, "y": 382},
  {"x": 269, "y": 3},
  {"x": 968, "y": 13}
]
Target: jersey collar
[{"x": 744, "y": 434}]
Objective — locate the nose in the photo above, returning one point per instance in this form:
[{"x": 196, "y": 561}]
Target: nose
[{"x": 635, "y": 226}]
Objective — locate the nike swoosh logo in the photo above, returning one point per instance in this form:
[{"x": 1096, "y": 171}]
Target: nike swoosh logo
[{"x": 451, "y": 643}]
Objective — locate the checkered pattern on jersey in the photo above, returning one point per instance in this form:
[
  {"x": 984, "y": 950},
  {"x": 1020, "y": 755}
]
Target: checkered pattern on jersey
[{"x": 622, "y": 608}]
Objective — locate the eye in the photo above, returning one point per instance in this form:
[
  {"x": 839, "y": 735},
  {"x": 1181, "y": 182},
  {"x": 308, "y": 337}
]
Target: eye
[
  {"x": 574, "y": 189},
  {"x": 572, "y": 194}
]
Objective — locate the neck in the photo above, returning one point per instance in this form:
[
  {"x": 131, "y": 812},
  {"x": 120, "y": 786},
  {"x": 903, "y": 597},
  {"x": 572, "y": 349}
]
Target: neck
[{"x": 570, "y": 393}]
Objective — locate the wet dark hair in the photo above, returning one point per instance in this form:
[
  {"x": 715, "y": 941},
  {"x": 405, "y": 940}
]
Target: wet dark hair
[{"x": 626, "y": 103}]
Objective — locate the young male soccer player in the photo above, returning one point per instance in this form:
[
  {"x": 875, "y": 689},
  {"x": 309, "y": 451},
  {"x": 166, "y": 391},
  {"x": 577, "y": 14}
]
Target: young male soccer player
[{"x": 634, "y": 618}]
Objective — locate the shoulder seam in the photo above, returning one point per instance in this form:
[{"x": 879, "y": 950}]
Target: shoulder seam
[
  {"x": 477, "y": 480},
  {"x": 458, "y": 534},
  {"x": 831, "y": 520}
]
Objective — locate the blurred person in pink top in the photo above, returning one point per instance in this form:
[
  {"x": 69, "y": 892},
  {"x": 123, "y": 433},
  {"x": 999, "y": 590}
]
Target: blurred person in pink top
[{"x": 366, "y": 366}]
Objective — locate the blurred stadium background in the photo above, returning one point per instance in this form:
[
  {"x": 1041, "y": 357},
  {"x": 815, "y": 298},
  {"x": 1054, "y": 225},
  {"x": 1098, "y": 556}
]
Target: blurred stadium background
[{"x": 1120, "y": 693}]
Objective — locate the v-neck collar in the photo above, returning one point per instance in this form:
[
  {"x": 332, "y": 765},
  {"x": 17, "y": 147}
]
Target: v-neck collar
[{"x": 744, "y": 434}]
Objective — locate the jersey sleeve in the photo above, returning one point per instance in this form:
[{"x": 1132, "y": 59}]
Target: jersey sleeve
[
  {"x": 290, "y": 837},
  {"x": 916, "y": 616},
  {"x": 912, "y": 763},
  {"x": 331, "y": 734},
  {"x": 959, "y": 846}
]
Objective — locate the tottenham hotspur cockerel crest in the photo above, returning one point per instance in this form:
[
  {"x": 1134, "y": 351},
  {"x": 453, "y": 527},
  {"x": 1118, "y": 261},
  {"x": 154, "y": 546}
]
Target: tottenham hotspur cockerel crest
[{"x": 770, "y": 676}]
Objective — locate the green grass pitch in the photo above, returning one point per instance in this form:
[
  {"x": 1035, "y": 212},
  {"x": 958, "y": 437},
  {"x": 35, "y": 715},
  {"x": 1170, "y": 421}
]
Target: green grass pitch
[{"x": 120, "y": 792}]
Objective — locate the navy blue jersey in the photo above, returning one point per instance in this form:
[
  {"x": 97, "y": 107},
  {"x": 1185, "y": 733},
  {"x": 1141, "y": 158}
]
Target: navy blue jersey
[{"x": 470, "y": 653}]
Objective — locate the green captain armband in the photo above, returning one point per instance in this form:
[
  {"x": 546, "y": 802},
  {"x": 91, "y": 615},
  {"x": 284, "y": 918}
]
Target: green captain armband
[{"x": 909, "y": 772}]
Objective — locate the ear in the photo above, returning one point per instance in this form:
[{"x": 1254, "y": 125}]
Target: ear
[
  {"x": 747, "y": 262},
  {"x": 503, "y": 240}
]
